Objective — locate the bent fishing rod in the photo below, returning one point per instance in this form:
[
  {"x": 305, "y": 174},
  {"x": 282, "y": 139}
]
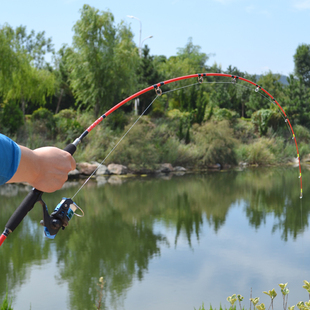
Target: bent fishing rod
[{"x": 64, "y": 211}]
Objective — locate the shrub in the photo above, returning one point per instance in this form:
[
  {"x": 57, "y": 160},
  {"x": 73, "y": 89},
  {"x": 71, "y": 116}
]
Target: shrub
[
  {"x": 11, "y": 117},
  {"x": 259, "y": 152},
  {"x": 265, "y": 118},
  {"x": 117, "y": 120},
  {"x": 43, "y": 121},
  {"x": 216, "y": 143},
  {"x": 302, "y": 133},
  {"x": 67, "y": 126},
  {"x": 224, "y": 114}
]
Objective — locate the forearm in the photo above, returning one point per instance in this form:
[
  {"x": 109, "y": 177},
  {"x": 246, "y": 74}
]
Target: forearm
[{"x": 28, "y": 169}]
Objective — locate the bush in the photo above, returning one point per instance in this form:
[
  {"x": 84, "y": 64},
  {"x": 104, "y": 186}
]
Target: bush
[
  {"x": 11, "y": 117},
  {"x": 117, "y": 120},
  {"x": 259, "y": 152},
  {"x": 43, "y": 121},
  {"x": 302, "y": 133},
  {"x": 216, "y": 143},
  {"x": 224, "y": 114},
  {"x": 265, "y": 118},
  {"x": 67, "y": 126}
]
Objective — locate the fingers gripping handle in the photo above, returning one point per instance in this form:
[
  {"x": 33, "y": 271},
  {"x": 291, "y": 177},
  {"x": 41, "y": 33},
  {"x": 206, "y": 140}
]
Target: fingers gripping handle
[{"x": 27, "y": 204}]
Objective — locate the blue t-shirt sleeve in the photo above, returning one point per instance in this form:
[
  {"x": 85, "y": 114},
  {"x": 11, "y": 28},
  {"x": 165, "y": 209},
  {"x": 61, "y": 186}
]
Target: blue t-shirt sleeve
[{"x": 10, "y": 154}]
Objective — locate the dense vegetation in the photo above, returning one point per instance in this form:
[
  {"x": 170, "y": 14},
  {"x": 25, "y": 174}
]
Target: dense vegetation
[{"x": 197, "y": 125}]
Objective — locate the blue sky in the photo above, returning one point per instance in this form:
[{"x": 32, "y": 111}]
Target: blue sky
[{"x": 254, "y": 36}]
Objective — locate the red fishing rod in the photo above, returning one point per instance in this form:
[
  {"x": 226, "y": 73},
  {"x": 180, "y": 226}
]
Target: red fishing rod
[{"x": 64, "y": 211}]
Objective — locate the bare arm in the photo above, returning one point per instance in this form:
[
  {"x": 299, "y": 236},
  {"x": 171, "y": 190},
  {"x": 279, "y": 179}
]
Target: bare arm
[{"x": 44, "y": 168}]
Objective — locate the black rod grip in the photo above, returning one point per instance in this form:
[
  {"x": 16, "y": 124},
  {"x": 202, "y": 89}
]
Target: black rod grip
[
  {"x": 70, "y": 148},
  {"x": 26, "y": 205}
]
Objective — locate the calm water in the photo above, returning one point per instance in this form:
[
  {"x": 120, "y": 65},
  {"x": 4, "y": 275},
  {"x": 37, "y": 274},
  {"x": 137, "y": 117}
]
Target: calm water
[{"x": 164, "y": 243}]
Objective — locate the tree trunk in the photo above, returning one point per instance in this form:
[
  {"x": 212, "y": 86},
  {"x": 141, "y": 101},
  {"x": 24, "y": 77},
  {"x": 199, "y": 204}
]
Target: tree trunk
[
  {"x": 59, "y": 100},
  {"x": 23, "y": 106}
]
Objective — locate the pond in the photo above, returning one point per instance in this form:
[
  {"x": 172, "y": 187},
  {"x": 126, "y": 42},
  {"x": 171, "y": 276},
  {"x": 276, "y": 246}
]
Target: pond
[{"x": 171, "y": 242}]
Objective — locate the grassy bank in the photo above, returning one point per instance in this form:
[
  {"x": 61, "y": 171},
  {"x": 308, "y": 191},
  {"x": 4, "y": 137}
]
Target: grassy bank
[{"x": 170, "y": 139}]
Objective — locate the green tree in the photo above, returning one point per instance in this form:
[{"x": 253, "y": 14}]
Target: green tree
[
  {"x": 192, "y": 53},
  {"x": 302, "y": 63},
  {"x": 102, "y": 60},
  {"x": 63, "y": 95},
  {"x": 147, "y": 75},
  {"x": 194, "y": 98},
  {"x": 36, "y": 45},
  {"x": 270, "y": 82},
  {"x": 9, "y": 61},
  {"x": 27, "y": 83},
  {"x": 239, "y": 95},
  {"x": 297, "y": 102}
]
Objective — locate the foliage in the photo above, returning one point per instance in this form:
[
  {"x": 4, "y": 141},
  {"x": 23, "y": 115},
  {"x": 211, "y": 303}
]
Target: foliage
[
  {"x": 265, "y": 118},
  {"x": 148, "y": 74},
  {"x": 44, "y": 121},
  {"x": 11, "y": 117},
  {"x": 102, "y": 60},
  {"x": 6, "y": 304},
  {"x": 297, "y": 102},
  {"x": 259, "y": 153},
  {"x": 302, "y": 63},
  {"x": 117, "y": 120},
  {"x": 224, "y": 114},
  {"x": 67, "y": 126},
  {"x": 157, "y": 145},
  {"x": 26, "y": 82},
  {"x": 258, "y": 100},
  {"x": 216, "y": 143}
]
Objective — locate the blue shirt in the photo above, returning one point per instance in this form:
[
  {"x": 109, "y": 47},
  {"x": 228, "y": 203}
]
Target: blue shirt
[{"x": 9, "y": 158}]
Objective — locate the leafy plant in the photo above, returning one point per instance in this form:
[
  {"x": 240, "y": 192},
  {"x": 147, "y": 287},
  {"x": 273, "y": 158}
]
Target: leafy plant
[
  {"x": 6, "y": 304},
  {"x": 240, "y": 298},
  {"x": 306, "y": 286},
  {"x": 254, "y": 301},
  {"x": 272, "y": 294},
  {"x": 284, "y": 291},
  {"x": 261, "y": 307},
  {"x": 232, "y": 299}
]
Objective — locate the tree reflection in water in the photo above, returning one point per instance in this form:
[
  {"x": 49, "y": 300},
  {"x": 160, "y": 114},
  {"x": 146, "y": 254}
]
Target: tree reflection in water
[{"x": 117, "y": 238}]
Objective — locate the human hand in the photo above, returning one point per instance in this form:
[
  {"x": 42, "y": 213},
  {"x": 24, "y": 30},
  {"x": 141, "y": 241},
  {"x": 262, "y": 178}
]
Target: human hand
[{"x": 44, "y": 168}]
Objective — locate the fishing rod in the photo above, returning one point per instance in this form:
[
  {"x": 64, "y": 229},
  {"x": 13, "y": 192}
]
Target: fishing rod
[{"x": 64, "y": 211}]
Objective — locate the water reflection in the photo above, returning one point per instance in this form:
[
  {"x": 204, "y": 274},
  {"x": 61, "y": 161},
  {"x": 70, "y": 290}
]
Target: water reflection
[{"x": 119, "y": 237}]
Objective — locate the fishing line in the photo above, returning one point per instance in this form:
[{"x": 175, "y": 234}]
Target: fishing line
[{"x": 121, "y": 139}]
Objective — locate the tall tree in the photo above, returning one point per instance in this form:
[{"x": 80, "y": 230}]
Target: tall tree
[
  {"x": 36, "y": 45},
  {"x": 302, "y": 63},
  {"x": 147, "y": 75},
  {"x": 189, "y": 60},
  {"x": 8, "y": 58},
  {"x": 102, "y": 60},
  {"x": 27, "y": 83},
  {"x": 297, "y": 102},
  {"x": 64, "y": 96},
  {"x": 270, "y": 82}
]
